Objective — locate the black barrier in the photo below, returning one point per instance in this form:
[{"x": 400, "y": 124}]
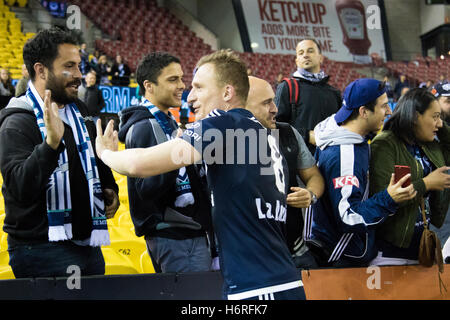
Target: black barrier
[
  {"x": 181, "y": 286},
  {"x": 154, "y": 286}
]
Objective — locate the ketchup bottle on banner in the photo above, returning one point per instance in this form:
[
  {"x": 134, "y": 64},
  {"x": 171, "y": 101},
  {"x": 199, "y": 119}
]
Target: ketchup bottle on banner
[{"x": 352, "y": 19}]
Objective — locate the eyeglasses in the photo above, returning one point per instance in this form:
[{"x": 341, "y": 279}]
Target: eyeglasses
[{"x": 438, "y": 116}]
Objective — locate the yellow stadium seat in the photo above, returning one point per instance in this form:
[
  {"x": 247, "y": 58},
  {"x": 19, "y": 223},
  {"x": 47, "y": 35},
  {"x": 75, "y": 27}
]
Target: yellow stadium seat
[
  {"x": 131, "y": 249},
  {"x": 9, "y": 15},
  {"x": 5, "y": 268},
  {"x": 18, "y": 54},
  {"x": 117, "y": 233},
  {"x": 146, "y": 263},
  {"x": 22, "y": 3},
  {"x": 6, "y": 273},
  {"x": 125, "y": 220},
  {"x": 10, "y": 2},
  {"x": 3, "y": 242},
  {"x": 15, "y": 29},
  {"x": 4, "y": 258},
  {"x": 116, "y": 263},
  {"x": 123, "y": 196},
  {"x": 122, "y": 209}
]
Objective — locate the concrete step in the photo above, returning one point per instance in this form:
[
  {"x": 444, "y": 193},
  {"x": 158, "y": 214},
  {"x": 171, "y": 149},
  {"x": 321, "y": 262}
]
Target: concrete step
[{"x": 24, "y": 15}]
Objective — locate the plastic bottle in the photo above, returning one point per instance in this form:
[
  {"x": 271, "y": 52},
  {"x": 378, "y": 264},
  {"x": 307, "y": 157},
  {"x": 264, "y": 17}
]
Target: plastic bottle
[{"x": 352, "y": 19}]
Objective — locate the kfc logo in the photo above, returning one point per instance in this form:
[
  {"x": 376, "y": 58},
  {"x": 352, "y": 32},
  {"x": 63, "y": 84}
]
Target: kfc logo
[{"x": 345, "y": 181}]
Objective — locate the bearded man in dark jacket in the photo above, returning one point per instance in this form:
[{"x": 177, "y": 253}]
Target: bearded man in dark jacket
[{"x": 58, "y": 193}]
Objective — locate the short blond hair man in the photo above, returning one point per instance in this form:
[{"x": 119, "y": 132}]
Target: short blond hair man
[{"x": 246, "y": 175}]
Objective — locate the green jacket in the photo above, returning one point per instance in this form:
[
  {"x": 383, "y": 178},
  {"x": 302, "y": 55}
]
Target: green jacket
[{"x": 386, "y": 151}]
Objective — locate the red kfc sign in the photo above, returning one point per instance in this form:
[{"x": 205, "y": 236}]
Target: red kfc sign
[{"x": 345, "y": 181}]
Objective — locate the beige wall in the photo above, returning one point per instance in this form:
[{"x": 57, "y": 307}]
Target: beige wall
[
  {"x": 431, "y": 17},
  {"x": 216, "y": 16},
  {"x": 404, "y": 24}
]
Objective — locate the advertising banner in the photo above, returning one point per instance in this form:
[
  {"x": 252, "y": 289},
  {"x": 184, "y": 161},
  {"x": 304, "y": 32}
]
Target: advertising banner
[
  {"x": 347, "y": 30},
  {"x": 118, "y": 98}
]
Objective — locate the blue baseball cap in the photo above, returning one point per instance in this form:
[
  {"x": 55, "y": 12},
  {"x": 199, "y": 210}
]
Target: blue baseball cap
[{"x": 357, "y": 94}]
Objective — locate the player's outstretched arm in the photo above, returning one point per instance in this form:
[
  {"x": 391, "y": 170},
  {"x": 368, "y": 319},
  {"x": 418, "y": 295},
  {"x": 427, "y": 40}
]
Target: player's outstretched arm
[{"x": 143, "y": 162}]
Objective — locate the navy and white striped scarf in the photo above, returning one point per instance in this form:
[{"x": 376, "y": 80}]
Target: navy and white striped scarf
[
  {"x": 184, "y": 196},
  {"x": 313, "y": 77},
  {"x": 59, "y": 205}
]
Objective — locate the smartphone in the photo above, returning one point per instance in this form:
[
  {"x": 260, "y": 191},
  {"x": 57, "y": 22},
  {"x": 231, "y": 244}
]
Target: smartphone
[{"x": 400, "y": 172}]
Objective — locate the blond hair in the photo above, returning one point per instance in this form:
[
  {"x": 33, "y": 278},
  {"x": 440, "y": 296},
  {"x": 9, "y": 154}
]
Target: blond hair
[{"x": 230, "y": 69}]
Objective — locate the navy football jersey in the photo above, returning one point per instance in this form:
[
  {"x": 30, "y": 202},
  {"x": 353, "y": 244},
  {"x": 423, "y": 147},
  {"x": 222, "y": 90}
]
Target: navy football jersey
[{"x": 247, "y": 178}]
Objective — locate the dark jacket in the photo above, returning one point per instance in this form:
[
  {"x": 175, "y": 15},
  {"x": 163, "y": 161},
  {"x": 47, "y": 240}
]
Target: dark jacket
[
  {"x": 118, "y": 80},
  {"x": 398, "y": 88},
  {"x": 27, "y": 162},
  {"x": 93, "y": 98},
  {"x": 289, "y": 149},
  {"x": 387, "y": 151},
  {"x": 317, "y": 101},
  {"x": 152, "y": 199}
]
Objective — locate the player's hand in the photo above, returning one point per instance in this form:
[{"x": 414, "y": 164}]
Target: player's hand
[
  {"x": 108, "y": 140},
  {"x": 53, "y": 123},
  {"x": 112, "y": 202},
  {"x": 299, "y": 198},
  {"x": 398, "y": 193}
]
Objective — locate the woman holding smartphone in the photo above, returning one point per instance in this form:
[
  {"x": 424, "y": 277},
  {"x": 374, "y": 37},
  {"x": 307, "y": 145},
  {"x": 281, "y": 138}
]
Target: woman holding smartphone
[{"x": 414, "y": 136}]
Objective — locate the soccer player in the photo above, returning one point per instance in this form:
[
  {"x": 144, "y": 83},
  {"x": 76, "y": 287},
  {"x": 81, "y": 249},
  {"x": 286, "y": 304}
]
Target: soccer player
[{"x": 246, "y": 175}]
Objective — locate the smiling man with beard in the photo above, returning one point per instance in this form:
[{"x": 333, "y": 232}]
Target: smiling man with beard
[{"x": 58, "y": 193}]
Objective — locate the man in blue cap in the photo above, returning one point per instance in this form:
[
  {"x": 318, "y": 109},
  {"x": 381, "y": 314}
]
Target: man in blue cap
[{"x": 343, "y": 225}]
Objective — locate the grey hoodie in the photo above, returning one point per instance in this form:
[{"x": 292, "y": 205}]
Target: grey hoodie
[
  {"x": 21, "y": 103},
  {"x": 329, "y": 133}
]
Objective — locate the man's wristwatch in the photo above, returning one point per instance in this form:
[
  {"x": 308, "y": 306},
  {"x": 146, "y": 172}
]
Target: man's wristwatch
[{"x": 313, "y": 197}]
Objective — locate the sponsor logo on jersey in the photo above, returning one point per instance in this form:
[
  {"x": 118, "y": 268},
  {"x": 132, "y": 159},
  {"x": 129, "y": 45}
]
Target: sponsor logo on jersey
[
  {"x": 193, "y": 135},
  {"x": 341, "y": 182}
]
